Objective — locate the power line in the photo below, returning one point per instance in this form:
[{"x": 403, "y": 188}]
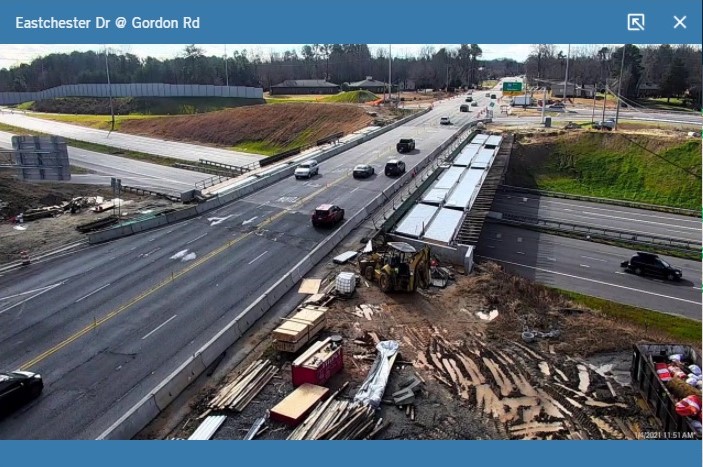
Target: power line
[{"x": 659, "y": 156}]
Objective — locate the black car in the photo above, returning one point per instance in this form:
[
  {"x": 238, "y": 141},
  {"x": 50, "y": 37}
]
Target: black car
[
  {"x": 469, "y": 99},
  {"x": 651, "y": 265},
  {"x": 405, "y": 145},
  {"x": 394, "y": 168},
  {"x": 363, "y": 171},
  {"x": 18, "y": 388}
]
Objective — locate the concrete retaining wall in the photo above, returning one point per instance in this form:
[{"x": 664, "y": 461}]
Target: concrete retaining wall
[{"x": 132, "y": 90}]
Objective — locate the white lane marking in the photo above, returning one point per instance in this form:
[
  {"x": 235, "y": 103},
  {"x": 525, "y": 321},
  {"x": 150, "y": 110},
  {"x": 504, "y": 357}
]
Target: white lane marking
[
  {"x": 639, "y": 220},
  {"x": 26, "y": 293},
  {"x": 159, "y": 326},
  {"x": 249, "y": 221},
  {"x": 92, "y": 293},
  {"x": 584, "y": 265},
  {"x": 196, "y": 238},
  {"x": 258, "y": 257},
  {"x": 520, "y": 252},
  {"x": 43, "y": 291},
  {"x": 549, "y": 258},
  {"x": 593, "y": 280},
  {"x": 619, "y": 272},
  {"x": 594, "y": 259}
]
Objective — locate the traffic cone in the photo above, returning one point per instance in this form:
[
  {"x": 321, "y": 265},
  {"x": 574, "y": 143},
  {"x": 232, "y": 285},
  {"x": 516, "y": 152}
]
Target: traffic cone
[{"x": 24, "y": 256}]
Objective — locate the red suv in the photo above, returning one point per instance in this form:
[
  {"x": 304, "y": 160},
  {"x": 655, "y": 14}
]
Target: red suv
[{"x": 327, "y": 214}]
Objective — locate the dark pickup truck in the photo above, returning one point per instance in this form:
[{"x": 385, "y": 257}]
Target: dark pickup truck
[{"x": 405, "y": 145}]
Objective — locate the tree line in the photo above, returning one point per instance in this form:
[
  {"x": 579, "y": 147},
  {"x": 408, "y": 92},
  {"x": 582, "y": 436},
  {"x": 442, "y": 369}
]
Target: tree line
[{"x": 675, "y": 70}]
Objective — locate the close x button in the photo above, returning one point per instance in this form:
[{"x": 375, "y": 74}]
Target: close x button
[{"x": 680, "y": 22}]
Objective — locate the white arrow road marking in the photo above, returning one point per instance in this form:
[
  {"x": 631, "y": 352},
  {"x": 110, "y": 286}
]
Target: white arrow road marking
[
  {"x": 217, "y": 220},
  {"x": 159, "y": 326},
  {"x": 40, "y": 291},
  {"x": 249, "y": 221},
  {"x": 196, "y": 238},
  {"x": 91, "y": 293}
]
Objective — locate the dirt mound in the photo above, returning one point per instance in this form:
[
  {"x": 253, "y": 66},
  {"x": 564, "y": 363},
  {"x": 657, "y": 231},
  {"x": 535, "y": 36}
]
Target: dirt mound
[
  {"x": 280, "y": 125},
  {"x": 138, "y": 105}
]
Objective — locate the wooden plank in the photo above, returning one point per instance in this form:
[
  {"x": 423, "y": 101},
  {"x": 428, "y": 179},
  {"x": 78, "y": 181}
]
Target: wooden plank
[
  {"x": 294, "y": 407},
  {"x": 311, "y": 351},
  {"x": 310, "y": 286}
]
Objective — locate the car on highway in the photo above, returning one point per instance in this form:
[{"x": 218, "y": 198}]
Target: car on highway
[
  {"x": 488, "y": 94},
  {"x": 464, "y": 108},
  {"x": 608, "y": 124},
  {"x": 650, "y": 264},
  {"x": 405, "y": 145},
  {"x": 307, "y": 169},
  {"x": 363, "y": 171},
  {"x": 493, "y": 96},
  {"x": 327, "y": 215},
  {"x": 469, "y": 99},
  {"x": 474, "y": 104},
  {"x": 445, "y": 121},
  {"x": 17, "y": 388},
  {"x": 394, "y": 168}
]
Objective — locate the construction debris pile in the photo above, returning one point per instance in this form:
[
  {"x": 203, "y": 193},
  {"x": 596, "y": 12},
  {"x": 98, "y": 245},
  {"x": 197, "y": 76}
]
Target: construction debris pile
[{"x": 239, "y": 393}]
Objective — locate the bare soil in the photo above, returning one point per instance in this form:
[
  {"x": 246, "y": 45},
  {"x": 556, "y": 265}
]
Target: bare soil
[
  {"x": 281, "y": 124},
  {"x": 481, "y": 380},
  {"x": 43, "y": 235}
]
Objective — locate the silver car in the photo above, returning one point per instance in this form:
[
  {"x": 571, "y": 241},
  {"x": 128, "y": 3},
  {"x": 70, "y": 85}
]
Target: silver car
[{"x": 307, "y": 169}]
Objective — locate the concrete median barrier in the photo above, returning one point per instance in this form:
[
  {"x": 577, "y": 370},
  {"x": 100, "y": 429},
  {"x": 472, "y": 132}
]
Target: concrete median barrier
[
  {"x": 181, "y": 214},
  {"x": 212, "y": 350},
  {"x": 134, "y": 420},
  {"x": 110, "y": 234},
  {"x": 177, "y": 381}
]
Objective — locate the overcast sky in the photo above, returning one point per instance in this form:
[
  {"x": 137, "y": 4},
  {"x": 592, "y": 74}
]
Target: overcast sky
[{"x": 12, "y": 55}]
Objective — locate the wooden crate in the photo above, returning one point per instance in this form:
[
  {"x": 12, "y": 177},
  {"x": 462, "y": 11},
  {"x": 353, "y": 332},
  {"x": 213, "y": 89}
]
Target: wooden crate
[
  {"x": 297, "y": 330},
  {"x": 293, "y": 409},
  {"x": 318, "y": 364},
  {"x": 284, "y": 346}
]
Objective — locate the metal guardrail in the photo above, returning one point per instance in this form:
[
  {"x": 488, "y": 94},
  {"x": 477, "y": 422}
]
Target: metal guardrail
[
  {"x": 144, "y": 191},
  {"x": 210, "y": 181},
  {"x": 234, "y": 169},
  {"x": 611, "y": 234},
  {"x": 592, "y": 199}
]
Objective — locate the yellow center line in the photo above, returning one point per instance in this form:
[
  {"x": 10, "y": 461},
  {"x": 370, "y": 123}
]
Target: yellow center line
[{"x": 170, "y": 280}]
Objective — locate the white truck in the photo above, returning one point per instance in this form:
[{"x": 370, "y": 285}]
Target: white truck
[{"x": 519, "y": 101}]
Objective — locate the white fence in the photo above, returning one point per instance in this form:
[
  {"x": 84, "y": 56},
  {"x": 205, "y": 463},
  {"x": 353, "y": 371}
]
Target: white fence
[{"x": 133, "y": 90}]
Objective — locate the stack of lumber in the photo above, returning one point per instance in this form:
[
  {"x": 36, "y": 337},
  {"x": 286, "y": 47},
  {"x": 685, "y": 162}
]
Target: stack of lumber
[
  {"x": 240, "y": 392},
  {"x": 338, "y": 419},
  {"x": 299, "y": 329}
]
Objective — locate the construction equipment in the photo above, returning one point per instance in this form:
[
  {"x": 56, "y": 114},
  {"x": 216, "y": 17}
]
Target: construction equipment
[{"x": 401, "y": 268}]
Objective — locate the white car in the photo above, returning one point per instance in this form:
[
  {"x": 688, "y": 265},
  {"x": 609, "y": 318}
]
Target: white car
[
  {"x": 445, "y": 121},
  {"x": 307, "y": 169}
]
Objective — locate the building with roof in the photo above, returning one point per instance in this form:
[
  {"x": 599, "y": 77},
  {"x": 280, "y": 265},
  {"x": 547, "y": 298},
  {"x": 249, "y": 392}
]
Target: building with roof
[
  {"x": 371, "y": 85},
  {"x": 648, "y": 90},
  {"x": 304, "y": 86}
]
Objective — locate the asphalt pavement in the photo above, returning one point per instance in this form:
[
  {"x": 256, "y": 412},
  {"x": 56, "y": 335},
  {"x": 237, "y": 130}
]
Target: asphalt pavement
[
  {"x": 640, "y": 221},
  {"x": 105, "y": 324},
  {"x": 591, "y": 269},
  {"x": 172, "y": 149},
  {"x": 132, "y": 172}
]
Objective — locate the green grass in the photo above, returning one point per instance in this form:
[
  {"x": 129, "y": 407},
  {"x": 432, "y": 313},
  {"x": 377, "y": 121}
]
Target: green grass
[
  {"x": 75, "y": 170},
  {"x": 26, "y": 105},
  {"x": 135, "y": 155},
  {"x": 677, "y": 328},
  {"x": 351, "y": 97},
  {"x": 100, "y": 122},
  {"x": 288, "y": 99},
  {"x": 610, "y": 165},
  {"x": 489, "y": 83},
  {"x": 264, "y": 148}
]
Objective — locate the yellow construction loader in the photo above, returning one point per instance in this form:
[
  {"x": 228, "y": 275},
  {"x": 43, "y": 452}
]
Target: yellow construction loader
[{"x": 401, "y": 268}]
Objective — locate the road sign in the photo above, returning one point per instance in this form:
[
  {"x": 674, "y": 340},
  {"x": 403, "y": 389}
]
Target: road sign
[{"x": 512, "y": 86}]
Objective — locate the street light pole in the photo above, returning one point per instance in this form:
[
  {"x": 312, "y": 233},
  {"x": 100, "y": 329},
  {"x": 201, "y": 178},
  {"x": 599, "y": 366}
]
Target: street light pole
[
  {"x": 390, "y": 86},
  {"x": 617, "y": 106},
  {"x": 566, "y": 77},
  {"x": 109, "y": 90},
  {"x": 226, "y": 71}
]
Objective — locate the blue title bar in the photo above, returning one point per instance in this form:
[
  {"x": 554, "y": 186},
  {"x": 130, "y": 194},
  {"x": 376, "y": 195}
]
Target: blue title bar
[{"x": 318, "y": 21}]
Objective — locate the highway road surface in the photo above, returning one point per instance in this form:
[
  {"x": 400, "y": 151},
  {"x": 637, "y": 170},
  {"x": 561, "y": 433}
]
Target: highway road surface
[
  {"x": 640, "y": 221},
  {"x": 176, "y": 150},
  {"x": 591, "y": 269},
  {"x": 105, "y": 324},
  {"x": 132, "y": 172}
]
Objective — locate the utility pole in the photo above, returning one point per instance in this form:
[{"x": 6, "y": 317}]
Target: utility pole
[
  {"x": 109, "y": 90},
  {"x": 226, "y": 71},
  {"x": 566, "y": 78},
  {"x": 593, "y": 112},
  {"x": 447, "y": 88},
  {"x": 622, "y": 68},
  {"x": 390, "y": 86},
  {"x": 605, "y": 98},
  {"x": 544, "y": 103}
]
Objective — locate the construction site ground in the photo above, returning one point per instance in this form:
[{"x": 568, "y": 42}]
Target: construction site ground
[
  {"x": 44, "y": 235},
  {"x": 481, "y": 380}
]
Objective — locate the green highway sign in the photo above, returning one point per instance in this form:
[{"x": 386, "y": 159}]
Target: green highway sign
[{"x": 512, "y": 86}]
